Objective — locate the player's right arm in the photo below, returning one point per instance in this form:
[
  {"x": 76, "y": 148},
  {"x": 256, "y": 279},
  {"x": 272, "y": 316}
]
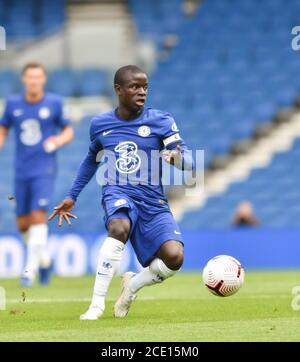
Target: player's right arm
[
  {"x": 5, "y": 124},
  {"x": 86, "y": 171}
]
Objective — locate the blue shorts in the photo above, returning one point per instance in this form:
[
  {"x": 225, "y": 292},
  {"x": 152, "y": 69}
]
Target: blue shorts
[
  {"x": 33, "y": 194},
  {"x": 151, "y": 226}
]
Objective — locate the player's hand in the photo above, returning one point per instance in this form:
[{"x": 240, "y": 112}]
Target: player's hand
[
  {"x": 63, "y": 212},
  {"x": 51, "y": 144},
  {"x": 173, "y": 157}
]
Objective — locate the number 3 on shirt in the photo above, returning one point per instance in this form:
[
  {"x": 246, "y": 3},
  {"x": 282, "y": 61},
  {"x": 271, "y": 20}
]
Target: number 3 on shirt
[{"x": 31, "y": 132}]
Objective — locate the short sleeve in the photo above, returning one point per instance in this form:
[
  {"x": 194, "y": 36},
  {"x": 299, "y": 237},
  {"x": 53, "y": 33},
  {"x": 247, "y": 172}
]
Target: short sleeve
[
  {"x": 170, "y": 132},
  {"x": 172, "y": 138},
  {"x": 6, "y": 120},
  {"x": 62, "y": 120}
]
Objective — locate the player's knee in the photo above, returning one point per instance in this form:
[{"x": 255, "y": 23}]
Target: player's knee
[
  {"x": 38, "y": 217},
  {"x": 174, "y": 259},
  {"x": 23, "y": 228},
  {"x": 23, "y": 225},
  {"x": 173, "y": 255},
  {"x": 119, "y": 229}
]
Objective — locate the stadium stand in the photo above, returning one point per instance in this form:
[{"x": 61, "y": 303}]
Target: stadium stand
[
  {"x": 25, "y": 20},
  {"x": 230, "y": 76},
  {"x": 273, "y": 191},
  {"x": 154, "y": 19},
  {"x": 63, "y": 81}
]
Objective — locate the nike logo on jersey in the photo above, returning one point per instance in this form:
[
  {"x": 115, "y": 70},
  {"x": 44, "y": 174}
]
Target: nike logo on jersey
[
  {"x": 105, "y": 133},
  {"x": 177, "y": 232}
]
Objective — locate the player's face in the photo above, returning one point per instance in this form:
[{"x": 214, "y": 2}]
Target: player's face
[
  {"x": 34, "y": 80},
  {"x": 133, "y": 92}
]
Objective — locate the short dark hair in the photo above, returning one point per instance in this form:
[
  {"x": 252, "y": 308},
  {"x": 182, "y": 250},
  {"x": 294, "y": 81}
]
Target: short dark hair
[
  {"x": 33, "y": 65},
  {"x": 120, "y": 73}
]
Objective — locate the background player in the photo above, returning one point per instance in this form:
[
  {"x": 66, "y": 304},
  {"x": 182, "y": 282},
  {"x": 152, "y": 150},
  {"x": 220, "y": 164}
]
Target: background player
[
  {"x": 35, "y": 116},
  {"x": 138, "y": 211}
]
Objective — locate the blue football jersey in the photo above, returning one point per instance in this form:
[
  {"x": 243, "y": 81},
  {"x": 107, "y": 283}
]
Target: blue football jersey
[
  {"x": 33, "y": 123},
  {"x": 131, "y": 161}
]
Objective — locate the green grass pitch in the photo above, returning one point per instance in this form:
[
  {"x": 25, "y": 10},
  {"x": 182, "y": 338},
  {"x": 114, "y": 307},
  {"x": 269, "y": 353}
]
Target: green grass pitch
[{"x": 180, "y": 309}]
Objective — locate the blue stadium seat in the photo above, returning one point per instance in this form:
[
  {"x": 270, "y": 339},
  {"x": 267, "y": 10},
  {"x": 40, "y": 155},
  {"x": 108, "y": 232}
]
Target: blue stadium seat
[
  {"x": 63, "y": 81},
  {"x": 26, "y": 20},
  {"x": 8, "y": 83},
  {"x": 93, "y": 82},
  {"x": 273, "y": 190}
]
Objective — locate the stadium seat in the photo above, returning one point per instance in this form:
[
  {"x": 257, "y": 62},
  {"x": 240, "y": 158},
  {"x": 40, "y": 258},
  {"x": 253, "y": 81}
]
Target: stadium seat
[
  {"x": 92, "y": 82},
  {"x": 26, "y": 20},
  {"x": 271, "y": 190},
  {"x": 63, "y": 81}
]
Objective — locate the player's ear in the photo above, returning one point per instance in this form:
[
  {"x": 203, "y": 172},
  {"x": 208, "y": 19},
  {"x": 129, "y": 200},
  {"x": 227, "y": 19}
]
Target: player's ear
[{"x": 118, "y": 89}]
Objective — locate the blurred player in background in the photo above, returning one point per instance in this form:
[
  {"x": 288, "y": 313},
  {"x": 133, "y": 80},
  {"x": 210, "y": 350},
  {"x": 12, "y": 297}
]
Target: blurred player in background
[
  {"x": 245, "y": 215},
  {"x": 36, "y": 117},
  {"x": 135, "y": 210}
]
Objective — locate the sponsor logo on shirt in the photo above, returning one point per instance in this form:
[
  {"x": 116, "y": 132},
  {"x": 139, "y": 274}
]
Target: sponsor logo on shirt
[{"x": 129, "y": 161}]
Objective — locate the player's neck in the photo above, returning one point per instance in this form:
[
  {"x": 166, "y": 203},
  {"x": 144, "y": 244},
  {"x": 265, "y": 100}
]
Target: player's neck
[
  {"x": 127, "y": 114},
  {"x": 33, "y": 97}
]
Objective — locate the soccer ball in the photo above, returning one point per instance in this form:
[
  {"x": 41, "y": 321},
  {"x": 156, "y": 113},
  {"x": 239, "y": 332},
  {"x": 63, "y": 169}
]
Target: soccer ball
[{"x": 223, "y": 275}]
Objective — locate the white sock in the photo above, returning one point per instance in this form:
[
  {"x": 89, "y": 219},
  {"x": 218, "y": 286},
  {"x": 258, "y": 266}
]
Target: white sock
[
  {"x": 108, "y": 264},
  {"x": 156, "y": 272},
  {"x": 36, "y": 248},
  {"x": 45, "y": 257}
]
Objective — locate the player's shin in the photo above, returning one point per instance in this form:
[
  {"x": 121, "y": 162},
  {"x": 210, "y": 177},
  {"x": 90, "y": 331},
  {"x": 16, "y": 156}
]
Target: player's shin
[
  {"x": 108, "y": 264},
  {"x": 157, "y": 272},
  {"x": 37, "y": 241},
  {"x": 45, "y": 265}
]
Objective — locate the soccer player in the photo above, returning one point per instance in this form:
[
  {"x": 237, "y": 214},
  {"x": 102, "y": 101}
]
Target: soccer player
[
  {"x": 138, "y": 211},
  {"x": 36, "y": 117}
]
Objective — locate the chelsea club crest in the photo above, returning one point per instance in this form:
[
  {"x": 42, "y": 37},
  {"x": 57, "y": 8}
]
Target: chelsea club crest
[
  {"x": 144, "y": 131},
  {"x": 44, "y": 113}
]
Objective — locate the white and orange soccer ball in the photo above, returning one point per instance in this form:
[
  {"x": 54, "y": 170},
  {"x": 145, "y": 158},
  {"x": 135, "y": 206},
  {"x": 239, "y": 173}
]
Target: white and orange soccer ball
[{"x": 223, "y": 275}]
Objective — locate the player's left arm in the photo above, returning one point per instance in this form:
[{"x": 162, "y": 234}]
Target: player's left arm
[
  {"x": 175, "y": 150},
  {"x": 66, "y": 133}
]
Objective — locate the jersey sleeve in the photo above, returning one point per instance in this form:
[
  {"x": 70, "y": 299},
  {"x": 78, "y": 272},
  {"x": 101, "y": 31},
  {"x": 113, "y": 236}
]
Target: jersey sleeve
[
  {"x": 62, "y": 119},
  {"x": 170, "y": 133},
  {"x": 171, "y": 138},
  {"x": 95, "y": 145},
  {"x": 6, "y": 120}
]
